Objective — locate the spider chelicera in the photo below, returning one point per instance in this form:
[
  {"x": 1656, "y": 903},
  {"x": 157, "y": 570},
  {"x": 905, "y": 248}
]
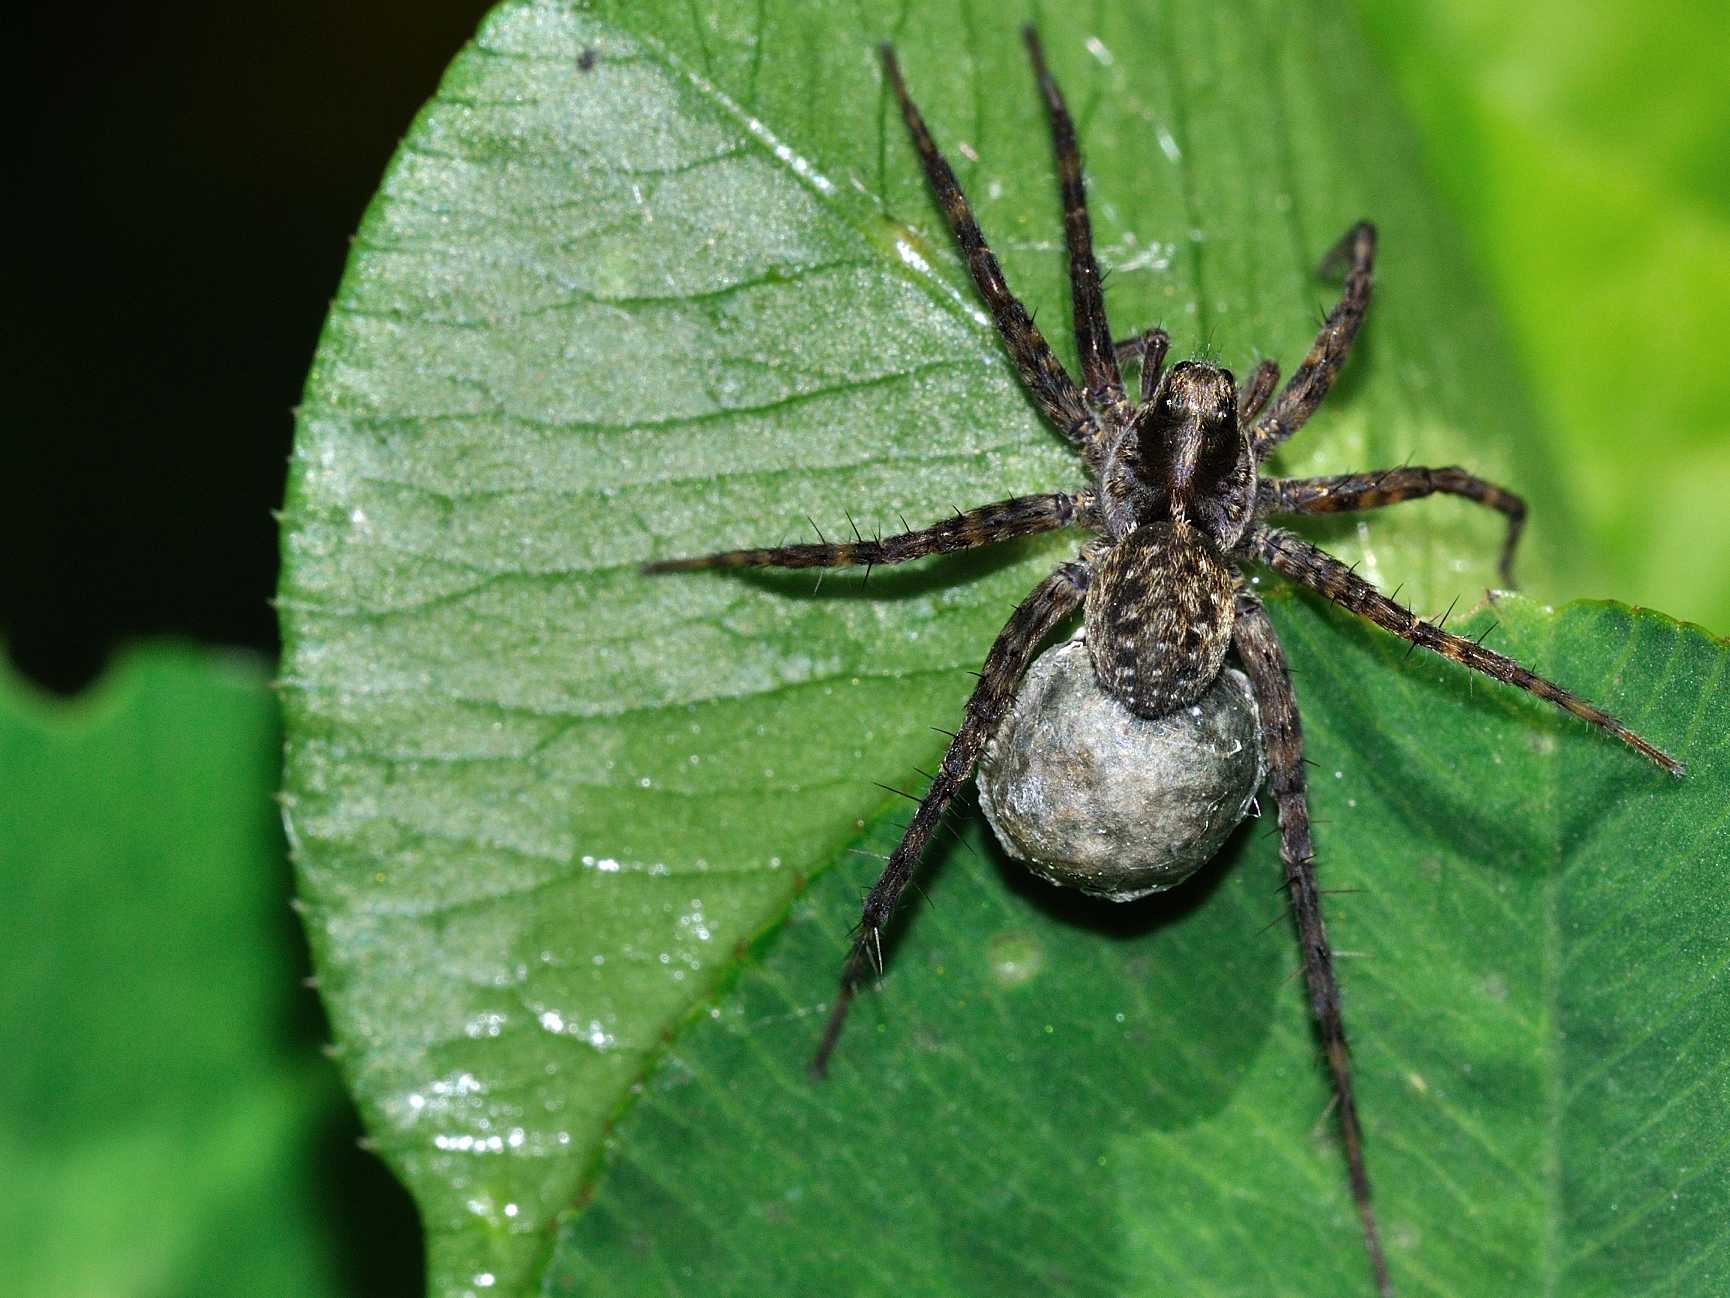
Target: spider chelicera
[{"x": 1175, "y": 505}]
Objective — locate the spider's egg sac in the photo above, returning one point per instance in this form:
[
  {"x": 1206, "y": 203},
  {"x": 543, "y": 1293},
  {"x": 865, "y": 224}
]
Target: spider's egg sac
[{"x": 1091, "y": 796}]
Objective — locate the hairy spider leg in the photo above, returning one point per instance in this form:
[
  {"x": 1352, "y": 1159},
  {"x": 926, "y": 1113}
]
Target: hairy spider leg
[
  {"x": 1265, "y": 664},
  {"x": 1148, "y": 350},
  {"x": 1099, "y": 372},
  {"x": 1041, "y": 372},
  {"x": 1293, "y": 557},
  {"x": 1346, "y": 492},
  {"x": 1003, "y": 520},
  {"x": 1034, "y": 618},
  {"x": 1253, "y": 395},
  {"x": 1356, "y": 252}
]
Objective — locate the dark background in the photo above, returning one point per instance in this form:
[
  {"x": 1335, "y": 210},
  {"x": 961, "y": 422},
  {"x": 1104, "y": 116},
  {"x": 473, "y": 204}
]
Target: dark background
[{"x": 186, "y": 177}]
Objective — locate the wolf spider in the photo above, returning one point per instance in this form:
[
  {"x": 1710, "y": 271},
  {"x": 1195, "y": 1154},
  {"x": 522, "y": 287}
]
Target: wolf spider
[{"x": 1175, "y": 506}]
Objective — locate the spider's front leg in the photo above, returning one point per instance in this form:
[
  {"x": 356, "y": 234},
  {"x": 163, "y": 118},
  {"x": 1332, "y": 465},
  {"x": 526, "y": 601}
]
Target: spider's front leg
[
  {"x": 1044, "y": 377},
  {"x": 1297, "y": 401},
  {"x": 1265, "y": 665},
  {"x": 1035, "y": 617},
  {"x": 1087, "y": 290},
  {"x": 1349, "y": 492}
]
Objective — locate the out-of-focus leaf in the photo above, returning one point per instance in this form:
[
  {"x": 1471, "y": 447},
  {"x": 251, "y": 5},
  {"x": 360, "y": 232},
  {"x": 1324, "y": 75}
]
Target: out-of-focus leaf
[
  {"x": 1586, "y": 150},
  {"x": 158, "y": 1130},
  {"x": 654, "y": 279}
]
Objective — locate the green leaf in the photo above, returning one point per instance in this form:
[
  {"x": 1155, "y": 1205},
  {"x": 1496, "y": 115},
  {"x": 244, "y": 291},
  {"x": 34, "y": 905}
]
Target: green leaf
[
  {"x": 1054, "y": 1095},
  {"x": 654, "y": 279},
  {"x": 161, "y": 1127}
]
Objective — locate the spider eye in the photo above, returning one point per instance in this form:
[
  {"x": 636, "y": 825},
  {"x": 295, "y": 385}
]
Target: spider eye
[{"x": 1199, "y": 391}]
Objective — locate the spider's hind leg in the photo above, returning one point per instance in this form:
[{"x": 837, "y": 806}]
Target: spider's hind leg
[
  {"x": 1265, "y": 664},
  {"x": 1034, "y": 618}
]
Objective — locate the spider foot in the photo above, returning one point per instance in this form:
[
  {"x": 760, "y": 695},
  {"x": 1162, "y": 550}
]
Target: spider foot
[{"x": 1357, "y": 247}]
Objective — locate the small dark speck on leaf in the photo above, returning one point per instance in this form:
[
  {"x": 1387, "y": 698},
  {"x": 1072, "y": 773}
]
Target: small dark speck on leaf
[{"x": 586, "y": 60}]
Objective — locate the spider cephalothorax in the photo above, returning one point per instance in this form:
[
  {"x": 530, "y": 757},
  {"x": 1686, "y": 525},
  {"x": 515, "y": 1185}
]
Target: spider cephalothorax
[
  {"x": 1175, "y": 505},
  {"x": 1177, "y": 488},
  {"x": 1186, "y": 455}
]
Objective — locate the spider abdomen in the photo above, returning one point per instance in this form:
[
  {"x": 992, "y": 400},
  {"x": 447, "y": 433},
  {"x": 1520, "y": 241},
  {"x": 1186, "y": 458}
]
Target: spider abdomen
[{"x": 1159, "y": 617}]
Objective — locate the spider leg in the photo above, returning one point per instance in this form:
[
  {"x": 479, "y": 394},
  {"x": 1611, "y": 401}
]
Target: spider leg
[
  {"x": 1149, "y": 350},
  {"x": 1034, "y": 618},
  {"x": 1265, "y": 664},
  {"x": 1345, "y": 492},
  {"x": 1099, "y": 372},
  {"x": 1291, "y": 556},
  {"x": 1254, "y": 394},
  {"x": 987, "y": 525},
  {"x": 1298, "y": 399},
  {"x": 1041, "y": 373}
]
